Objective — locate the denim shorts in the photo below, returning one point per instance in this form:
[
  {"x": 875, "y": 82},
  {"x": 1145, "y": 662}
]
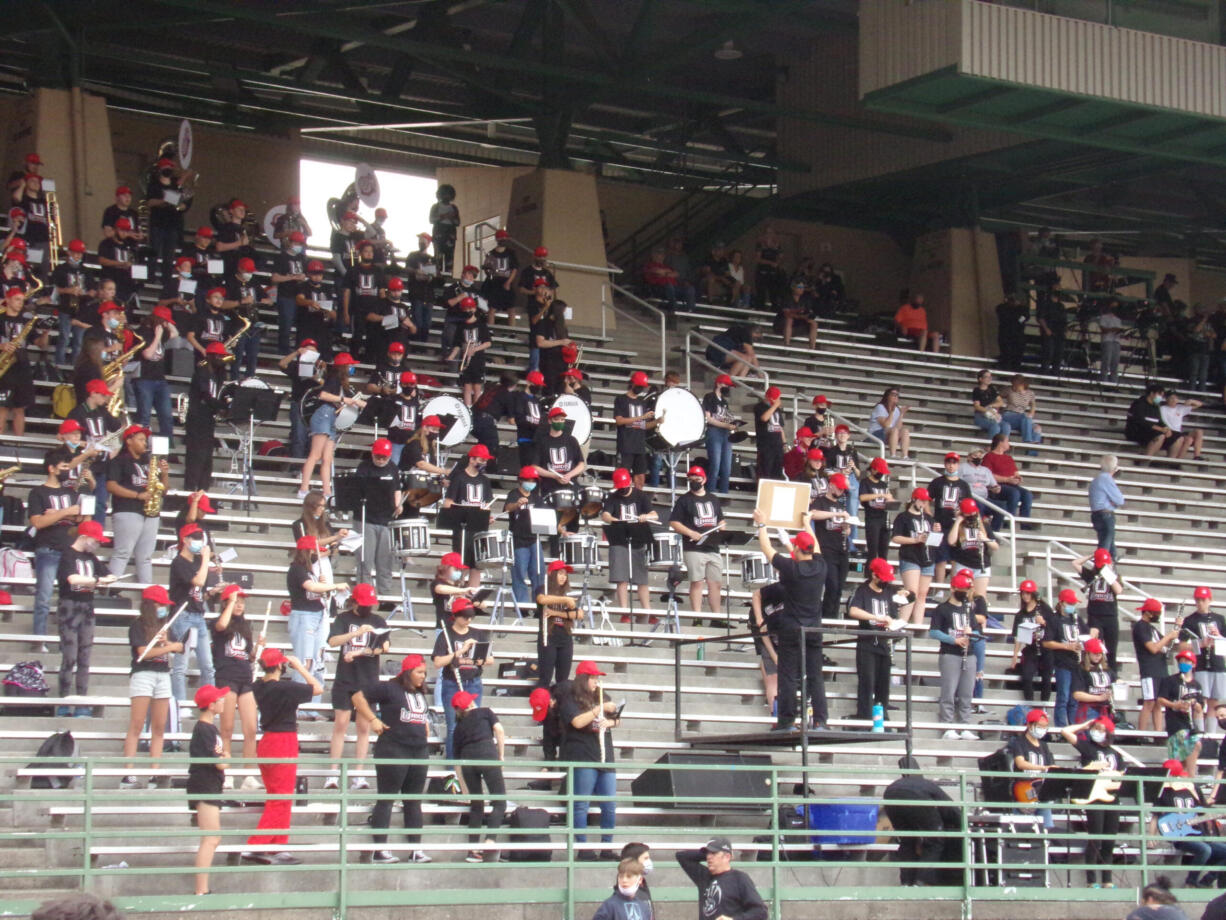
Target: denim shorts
[
  {"x": 979, "y": 573},
  {"x": 913, "y": 567},
  {"x": 153, "y": 684},
  {"x": 323, "y": 421}
]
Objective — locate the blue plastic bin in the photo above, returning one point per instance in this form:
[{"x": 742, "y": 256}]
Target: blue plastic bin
[{"x": 843, "y": 816}]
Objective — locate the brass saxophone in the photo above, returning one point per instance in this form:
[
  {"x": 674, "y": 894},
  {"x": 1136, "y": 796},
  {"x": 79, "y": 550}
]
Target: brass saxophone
[
  {"x": 156, "y": 489},
  {"x": 231, "y": 341},
  {"x": 7, "y": 472},
  {"x": 7, "y": 359},
  {"x": 112, "y": 373}
]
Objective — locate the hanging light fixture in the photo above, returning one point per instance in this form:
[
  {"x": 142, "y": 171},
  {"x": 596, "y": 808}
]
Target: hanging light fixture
[{"x": 728, "y": 52}]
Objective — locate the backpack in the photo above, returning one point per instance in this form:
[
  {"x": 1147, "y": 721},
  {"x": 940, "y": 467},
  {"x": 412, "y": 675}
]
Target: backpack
[
  {"x": 61, "y": 744},
  {"x": 63, "y": 400},
  {"x": 14, "y": 564}
]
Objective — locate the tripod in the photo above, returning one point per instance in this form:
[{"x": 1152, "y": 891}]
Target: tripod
[{"x": 504, "y": 588}]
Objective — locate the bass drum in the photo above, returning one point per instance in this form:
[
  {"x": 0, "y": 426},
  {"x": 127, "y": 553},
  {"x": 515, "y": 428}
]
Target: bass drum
[
  {"x": 456, "y": 418},
  {"x": 680, "y": 420},
  {"x": 578, "y": 417}
]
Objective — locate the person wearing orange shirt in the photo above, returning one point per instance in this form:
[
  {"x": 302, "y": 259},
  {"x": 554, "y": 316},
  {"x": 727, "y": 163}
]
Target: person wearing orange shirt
[{"x": 911, "y": 321}]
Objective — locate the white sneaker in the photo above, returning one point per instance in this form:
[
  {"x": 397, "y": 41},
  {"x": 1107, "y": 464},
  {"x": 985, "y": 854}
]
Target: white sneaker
[
  {"x": 969, "y": 736},
  {"x": 302, "y": 493},
  {"x": 952, "y": 735},
  {"x": 131, "y": 782},
  {"x": 228, "y": 782},
  {"x": 358, "y": 783},
  {"x": 384, "y": 856},
  {"x": 419, "y": 856},
  {"x": 332, "y": 782},
  {"x": 251, "y": 784}
]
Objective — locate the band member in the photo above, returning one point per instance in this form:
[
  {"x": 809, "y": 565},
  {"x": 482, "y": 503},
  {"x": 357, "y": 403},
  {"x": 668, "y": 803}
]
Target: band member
[
  {"x": 404, "y": 415},
  {"x": 78, "y": 577},
  {"x": 360, "y": 636},
  {"x": 626, "y": 513},
  {"x": 1180, "y": 695},
  {"x": 211, "y": 323},
  {"x": 699, "y": 517},
  {"x": 422, "y": 270},
  {"x": 244, "y": 298},
  {"x": 300, "y": 366},
  {"x": 195, "y": 580},
  {"x": 203, "y": 405},
  {"x": 78, "y": 476},
  {"x": 501, "y": 268},
  {"x": 336, "y": 392},
  {"x": 201, "y": 253},
  {"x": 829, "y": 516},
  {"x": 1103, "y": 588},
  {"x": 874, "y": 606},
  {"x": 235, "y": 650},
  {"x": 454, "y": 315},
  {"x": 130, "y": 480},
  {"x": 122, "y": 208},
  {"x": 421, "y": 450},
  {"x": 384, "y": 383},
  {"x": 720, "y": 425},
  {"x": 406, "y": 328},
  {"x": 97, "y": 423},
  {"x": 768, "y": 425},
  {"x": 526, "y": 569},
  {"x": 587, "y": 737},
  {"x": 309, "y": 584},
  {"x": 364, "y": 303},
  {"x": 401, "y": 753},
  {"x": 1092, "y": 682},
  {"x": 1030, "y": 658},
  {"x": 37, "y": 228},
  {"x": 802, "y": 577},
  {"x": 1095, "y": 752},
  {"x": 288, "y": 274},
  {"x": 537, "y": 271},
  {"x": 1031, "y": 755},
  {"x": 344, "y": 243},
  {"x": 384, "y": 501},
  {"x": 444, "y": 221},
  {"x": 470, "y": 493},
  {"x": 1150, "y": 645},
  {"x": 1208, "y": 628},
  {"x": 874, "y": 494},
  {"x": 162, "y": 198},
  {"x": 152, "y": 390},
  {"x": 937, "y": 827},
  {"x": 953, "y": 625},
  {"x": 794, "y": 460},
  {"x": 1179, "y": 795},
  {"x": 278, "y": 700},
  {"x": 472, "y": 343},
  {"x": 205, "y": 778},
  {"x": 17, "y": 383},
  {"x": 1063, "y": 636},
  {"x": 528, "y": 414},
  {"x": 457, "y": 656},
  {"x": 117, "y": 254},
  {"x": 316, "y": 316},
  {"x": 556, "y": 613},
  {"x": 291, "y": 221},
  {"x": 480, "y": 736},
  {"x": 971, "y": 544},
  {"x": 947, "y": 494},
  {"x": 631, "y": 415},
  {"x": 180, "y": 292},
  {"x": 233, "y": 242},
  {"x": 559, "y": 459},
  {"x": 547, "y": 335},
  {"x": 72, "y": 284},
  {"x": 53, "y": 510}
]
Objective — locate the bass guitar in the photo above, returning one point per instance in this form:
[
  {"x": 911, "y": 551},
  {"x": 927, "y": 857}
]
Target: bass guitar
[{"x": 1185, "y": 823}]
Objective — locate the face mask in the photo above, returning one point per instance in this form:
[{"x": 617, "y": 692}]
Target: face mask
[
  {"x": 529, "y": 486},
  {"x": 960, "y": 596},
  {"x": 647, "y": 866},
  {"x": 185, "y": 273},
  {"x": 350, "y": 371},
  {"x": 456, "y": 574},
  {"x": 112, "y": 324},
  {"x": 1098, "y": 737},
  {"x": 1036, "y": 732},
  {"x": 318, "y": 514},
  {"x": 480, "y": 466},
  {"x": 163, "y": 612},
  {"x": 975, "y": 461},
  {"x": 695, "y": 485},
  {"x": 1221, "y": 723},
  {"x": 557, "y": 426},
  {"x": 244, "y": 277},
  {"x": 195, "y": 545},
  {"x": 1185, "y": 667},
  {"x": 628, "y": 890},
  {"x": 568, "y": 314},
  {"x": 466, "y": 283},
  {"x": 296, "y": 249},
  {"x": 1070, "y": 609}
]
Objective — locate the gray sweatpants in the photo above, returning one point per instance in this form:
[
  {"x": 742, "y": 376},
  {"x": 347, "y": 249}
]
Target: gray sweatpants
[
  {"x": 75, "y": 619},
  {"x": 377, "y": 556},
  {"x": 957, "y": 686},
  {"x": 135, "y": 536}
]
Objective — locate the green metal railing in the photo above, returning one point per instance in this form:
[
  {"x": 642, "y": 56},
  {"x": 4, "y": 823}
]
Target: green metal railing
[{"x": 85, "y": 851}]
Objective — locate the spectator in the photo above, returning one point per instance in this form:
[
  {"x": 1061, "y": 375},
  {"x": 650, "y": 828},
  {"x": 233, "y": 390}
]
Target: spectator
[
  {"x": 1157, "y": 903},
  {"x": 768, "y": 421},
  {"x": 1016, "y": 498},
  {"x": 732, "y": 350},
  {"x": 587, "y": 726},
  {"x": 630, "y": 900},
  {"x": 983, "y": 483},
  {"x": 1173, "y": 412},
  {"x": 911, "y": 322},
  {"x": 1109, "y": 328},
  {"x": 798, "y": 307},
  {"x": 679, "y": 262},
  {"x": 770, "y": 280},
  {"x": 713, "y": 278},
  {"x": 724, "y": 893},
  {"x": 736, "y": 271},
  {"x": 936, "y": 828},
  {"x": 1196, "y": 338},
  {"x": 988, "y": 403},
  {"x": 886, "y": 424},
  {"x": 1105, "y": 497},
  {"x": 828, "y": 290},
  {"x": 662, "y": 281},
  {"x": 1052, "y": 315},
  {"x": 1018, "y": 413}
]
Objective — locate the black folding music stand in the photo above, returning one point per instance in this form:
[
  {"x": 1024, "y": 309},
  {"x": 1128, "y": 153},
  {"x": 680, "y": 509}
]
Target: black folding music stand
[
  {"x": 251, "y": 404},
  {"x": 351, "y": 497}
]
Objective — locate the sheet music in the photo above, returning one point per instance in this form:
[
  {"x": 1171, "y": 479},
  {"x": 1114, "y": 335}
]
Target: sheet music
[
  {"x": 187, "y": 285},
  {"x": 934, "y": 539},
  {"x": 216, "y": 267},
  {"x": 140, "y": 273}
]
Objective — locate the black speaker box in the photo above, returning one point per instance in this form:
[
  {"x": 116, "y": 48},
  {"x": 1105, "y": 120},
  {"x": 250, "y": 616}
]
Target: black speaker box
[{"x": 710, "y": 784}]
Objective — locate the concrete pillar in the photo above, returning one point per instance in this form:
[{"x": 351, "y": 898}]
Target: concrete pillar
[{"x": 958, "y": 272}]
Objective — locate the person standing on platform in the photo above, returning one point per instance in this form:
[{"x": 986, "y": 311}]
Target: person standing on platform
[
  {"x": 1103, "y": 588},
  {"x": 625, "y": 514},
  {"x": 526, "y": 576},
  {"x": 470, "y": 492},
  {"x": 952, "y": 625},
  {"x": 78, "y": 579},
  {"x": 720, "y": 425},
  {"x": 631, "y": 415},
  {"x": 803, "y": 577},
  {"x": 1209, "y": 629},
  {"x": 947, "y": 493},
  {"x": 384, "y": 501},
  {"x": 939, "y": 826}
]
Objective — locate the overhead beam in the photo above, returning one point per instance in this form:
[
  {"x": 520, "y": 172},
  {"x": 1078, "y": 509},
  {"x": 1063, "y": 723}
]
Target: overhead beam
[{"x": 986, "y": 95}]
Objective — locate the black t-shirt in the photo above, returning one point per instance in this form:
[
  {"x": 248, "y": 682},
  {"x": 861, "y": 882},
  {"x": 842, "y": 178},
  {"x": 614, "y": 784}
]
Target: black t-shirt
[
  {"x": 42, "y": 499},
  {"x": 909, "y": 524},
  {"x": 71, "y": 275},
  {"x": 138, "y": 640},
  {"x": 521, "y": 520},
  {"x": 717, "y": 408},
  {"x": 470, "y": 491},
  {"x": 381, "y": 484},
  {"x": 1020, "y": 746},
  {"x": 874, "y": 510},
  {"x": 232, "y": 233},
  {"x": 449, "y": 641},
  {"x": 954, "y": 619},
  {"x": 1178, "y": 799},
  {"x": 77, "y": 562},
  {"x": 527, "y": 412},
  {"x": 363, "y": 671},
  {"x": 204, "y": 778},
  {"x": 116, "y": 251},
  {"x": 363, "y": 282},
  {"x": 285, "y": 263},
  {"x": 1096, "y": 681},
  {"x": 113, "y": 212},
  {"x": 627, "y": 508},
  {"x": 500, "y": 263},
  {"x": 1041, "y": 609},
  {"x": 632, "y": 438},
  {"x": 95, "y": 425},
  {"x": 829, "y": 532},
  {"x": 985, "y": 396},
  {"x": 130, "y": 473},
  {"x": 581, "y": 744},
  {"x": 769, "y": 434},
  {"x": 773, "y": 600},
  {"x": 1150, "y": 664},
  {"x": 1100, "y": 599},
  {"x": 1089, "y": 752},
  {"x": 879, "y": 604},
  {"x": 803, "y": 582},
  {"x": 730, "y": 893},
  {"x": 154, "y": 369},
  {"x": 699, "y": 513},
  {"x": 1062, "y": 628},
  {"x": 405, "y": 419},
  {"x": 1174, "y": 688},
  {"x": 299, "y": 384},
  {"x": 560, "y": 454},
  {"x": 299, "y": 597},
  {"x": 972, "y": 548},
  {"x": 947, "y": 494},
  {"x": 210, "y": 326},
  {"x": 405, "y": 713},
  {"x": 182, "y": 571},
  {"x": 1204, "y": 626},
  {"x": 473, "y": 738},
  {"x": 232, "y": 657},
  {"x": 278, "y": 702}
]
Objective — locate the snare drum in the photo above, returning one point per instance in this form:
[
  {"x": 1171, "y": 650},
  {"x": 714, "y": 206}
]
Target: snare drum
[
  {"x": 591, "y": 500},
  {"x": 756, "y": 572},
  {"x": 346, "y": 417},
  {"x": 493, "y": 549},
  {"x": 579, "y": 551},
  {"x": 565, "y": 501},
  {"x": 422, "y": 489},
  {"x": 665, "y": 550},
  {"x": 410, "y": 537}
]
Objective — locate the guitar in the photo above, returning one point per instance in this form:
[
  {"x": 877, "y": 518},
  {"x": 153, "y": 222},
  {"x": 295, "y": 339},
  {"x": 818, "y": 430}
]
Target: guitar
[
  {"x": 1184, "y": 823},
  {"x": 1105, "y": 783},
  {"x": 1026, "y": 791}
]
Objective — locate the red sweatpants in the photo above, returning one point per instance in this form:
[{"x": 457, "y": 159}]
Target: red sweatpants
[{"x": 279, "y": 779}]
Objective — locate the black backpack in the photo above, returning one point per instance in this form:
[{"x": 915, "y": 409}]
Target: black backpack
[{"x": 61, "y": 744}]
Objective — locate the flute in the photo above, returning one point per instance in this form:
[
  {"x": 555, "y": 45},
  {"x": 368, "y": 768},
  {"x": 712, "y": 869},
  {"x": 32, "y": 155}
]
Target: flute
[
  {"x": 601, "y": 730},
  {"x": 161, "y": 633},
  {"x": 264, "y": 625}
]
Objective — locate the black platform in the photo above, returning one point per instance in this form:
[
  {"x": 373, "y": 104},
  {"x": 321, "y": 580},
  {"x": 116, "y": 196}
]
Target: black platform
[{"x": 768, "y": 739}]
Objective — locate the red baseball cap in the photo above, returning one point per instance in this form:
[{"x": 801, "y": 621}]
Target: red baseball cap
[
  {"x": 92, "y": 529},
  {"x": 697, "y": 472},
  {"x": 540, "y": 252},
  {"x": 381, "y": 448},
  {"x": 206, "y": 232},
  {"x": 205, "y": 505},
  {"x": 559, "y": 565},
  {"x": 804, "y": 432},
  {"x": 1102, "y": 556},
  {"x": 820, "y": 401},
  {"x": 815, "y": 454},
  {"x": 79, "y": 246},
  {"x": 96, "y": 386},
  {"x": 230, "y": 590},
  {"x": 1069, "y": 596},
  {"x": 69, "y": 425},
  {"x": 421, "y": 236},
  {"x": 557, "y": 412},
  {"x": 952, "y": 455},
  {"x": 773, "y": 393},
  {"x": 109, "y": 306},
  {"x": 122, "y": 190},
  {"x": 1028, "y": 586},
  {"x": 1106, "y": 722},
  {"x": 452, "y": 560},
  {"x": 535, "y": 378},
  {"x": 539, "y": 699},
  {"x": 882, "y": 569},
  {"x": 621, "y": 478},
  {"x": 272, "y": 658},
  {"x": 589, "y": 668},
  {"x": 501, "y": 234},
  {"x": 920, "y": 495},
  {"x": 479, "y": 452},
  {"x": 163, "y": 312},
  {"x": 411, "y": 662},
  {"x": 409, "y": 379},
  {"x": 33, "y": 159},
  {"x": 1184, "y": 655},
  {"x": 207, "y": 695},
  {"x": 461, "y": 606},
  {"x": 804, "y": 541},
  {"x": 1174, "y": 767},
  {"x": 219, "y": 291},
  {"x": 315, "y": 267},
  {"x": 237, "y": 203},
  {"x": 573, "y": 372},
  {"x": 879, "y": 465},
  {"x": 133, "y": 430},
  {"x": 528, "y": 472},
  {"x": 470, "y": 270},
  {"x": 841, "y": 428},
  {"x": 839, "y": 481},
  {"x": 155, "y": 593},
  {"x": 246, "y": 264},
  {"x": 432, "y": 421},
  {"x": 468, "y": 303},
  {"x": 1035, "y": 715},
  {"x": 1202, "y": 593},
  {"x": 462, "y": 699},
  {"x": 1151, "y": 605},
  {"x": 1094, "y": 646},
  {"x": 364, "y": 595},
  {"x": 968, "y": 506},
  {"x": 344, "y": 359},
  {"x": 723, "y": 380},
  {"x": 395, "y": 284},
  {"x": 961, "y": 582},
  {"x": 638, "y": 379},
  {"x": 540, "y": 282}
]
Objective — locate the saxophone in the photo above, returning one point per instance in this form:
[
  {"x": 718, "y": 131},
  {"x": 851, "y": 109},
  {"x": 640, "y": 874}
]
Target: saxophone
[
  {"x": 112, "y": 373},
  {"x": 156, "y": 490},
  {"x": 7, "y": 359},
  {"x": 232, "y": 340},
  {"x": 7, "y": 472}
]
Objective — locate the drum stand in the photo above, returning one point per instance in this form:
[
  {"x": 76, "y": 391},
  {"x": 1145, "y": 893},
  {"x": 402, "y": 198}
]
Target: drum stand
[
  {"x": 241, "y": 463},
  {"x": 500, "y": 597}
]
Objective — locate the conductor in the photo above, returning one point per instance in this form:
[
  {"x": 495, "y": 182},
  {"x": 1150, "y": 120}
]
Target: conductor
[{"x": 802, "y": 578}]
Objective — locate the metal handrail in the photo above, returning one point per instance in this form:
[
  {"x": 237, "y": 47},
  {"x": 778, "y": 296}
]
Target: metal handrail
[
  {"x": 571, "y": 266},
  {"x": 608, "y": 303},
  {"x": 990, "y": 504},
  {"x": 842, "y": 421},
  {"x": 690, "y": 355},
  {"x": 1072, "y": 576}
]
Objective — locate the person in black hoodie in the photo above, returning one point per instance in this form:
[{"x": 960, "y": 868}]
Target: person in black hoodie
[
  {"x": 1144, "y": 425},
  {"x": 947, "y": 494},
  {"x": 938, "y": 822},
  {"x": 723, "y": 892}
]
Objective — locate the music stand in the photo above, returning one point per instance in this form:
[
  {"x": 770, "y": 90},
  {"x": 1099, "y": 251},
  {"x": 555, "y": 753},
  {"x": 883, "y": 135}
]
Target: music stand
[
  {"x": 252, "y": 404},
  {"x": 351, "y": 496}
]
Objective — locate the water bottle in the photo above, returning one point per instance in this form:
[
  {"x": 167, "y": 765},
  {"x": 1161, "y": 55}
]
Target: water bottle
[{"x": 878, "y": 717}]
